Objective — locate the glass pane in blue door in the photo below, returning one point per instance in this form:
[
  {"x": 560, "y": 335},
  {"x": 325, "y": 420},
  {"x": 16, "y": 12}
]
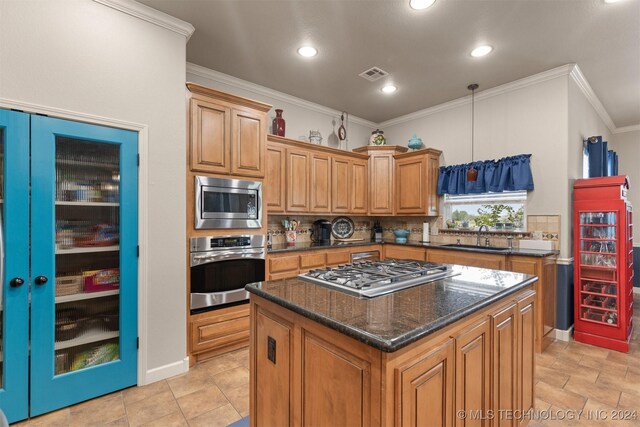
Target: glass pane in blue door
[{"x": 87, "y": 306}]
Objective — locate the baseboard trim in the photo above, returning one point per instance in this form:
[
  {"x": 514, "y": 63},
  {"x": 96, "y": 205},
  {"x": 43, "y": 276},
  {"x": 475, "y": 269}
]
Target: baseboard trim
[
  {"x": 166, "y": 371},
  {"x": 564, "y": 335}
]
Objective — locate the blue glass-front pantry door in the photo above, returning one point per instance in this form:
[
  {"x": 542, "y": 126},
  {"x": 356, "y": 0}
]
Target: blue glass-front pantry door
[
  {"x": 84, "y": 191},
  {"x": 14, "y": 268}
]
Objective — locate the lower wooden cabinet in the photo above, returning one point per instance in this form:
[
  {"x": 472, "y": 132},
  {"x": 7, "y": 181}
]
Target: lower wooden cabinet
[
  {"x": 303, "y": 373},
  {"x": 336, "y": 257},
  {"x": 472, "y": 259},
  {"x": 404, "y": 252},
  {"x": 425, "y": 388},
  {"x": 219, "y": 331}
]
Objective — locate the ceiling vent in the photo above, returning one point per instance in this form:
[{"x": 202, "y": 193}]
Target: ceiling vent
[{"x": 373, "y": 74}]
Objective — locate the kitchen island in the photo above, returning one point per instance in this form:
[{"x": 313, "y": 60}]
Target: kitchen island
[{"x": 432, "y": 354}]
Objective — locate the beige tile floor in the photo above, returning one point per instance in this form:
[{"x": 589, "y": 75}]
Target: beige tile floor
[{"x": 570, "y": 377}]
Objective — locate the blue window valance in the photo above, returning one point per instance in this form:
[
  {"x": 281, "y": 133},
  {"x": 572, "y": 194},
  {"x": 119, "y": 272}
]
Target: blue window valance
[{"x": 506, "y": 174}]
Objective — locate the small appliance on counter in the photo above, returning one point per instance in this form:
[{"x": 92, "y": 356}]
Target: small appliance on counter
[
  {"x": 376, "y": 232},
  {"x": 321, "y": 231}
]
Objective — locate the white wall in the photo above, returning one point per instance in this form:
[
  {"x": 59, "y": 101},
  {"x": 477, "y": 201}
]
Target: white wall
[
  {"x": 526, "y": 119},
  {"x": 584, "y": 122},
  {"x": 627, "y": 145},
  {"x": 300, "y": 115},
  {"x": 82, "y": 56}
]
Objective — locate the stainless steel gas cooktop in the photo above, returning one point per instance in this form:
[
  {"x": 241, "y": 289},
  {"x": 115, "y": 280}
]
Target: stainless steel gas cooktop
[{"x": 373, "y": 278}]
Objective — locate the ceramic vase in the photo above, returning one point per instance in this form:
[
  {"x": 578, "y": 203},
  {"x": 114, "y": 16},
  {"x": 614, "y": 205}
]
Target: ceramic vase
[{"x": 278, "y": 124}]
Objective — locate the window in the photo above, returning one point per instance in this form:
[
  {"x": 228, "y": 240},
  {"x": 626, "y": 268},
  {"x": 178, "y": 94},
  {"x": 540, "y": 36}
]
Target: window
[{"x": 500, "y": 211}]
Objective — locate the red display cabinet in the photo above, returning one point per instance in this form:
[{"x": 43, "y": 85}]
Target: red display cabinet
[{"x": 603, "y": 276}]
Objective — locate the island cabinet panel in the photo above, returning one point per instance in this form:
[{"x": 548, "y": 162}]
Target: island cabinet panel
[
  {"x": 320, "y": 180},
  {"x": 298, "y": 162},
  {"x": 425, "y": 388},
  {"x": 272, "y": 346},
  {"x": 472, "y": 259},
  {"x": 247, "y": 143},
  {"x": 340, "y": 189},
  {"x": 359, "y": 187},
  {"x": 275, "y": 177},
  {"x": 526, "y": 347},
  {"x": 210, "y": 137},
  {"x": 473, "y": 374},
  {"x": 505, "y": 364},
  {"x": 336, "y": 385},
  {"x": 404, "y": 252}
]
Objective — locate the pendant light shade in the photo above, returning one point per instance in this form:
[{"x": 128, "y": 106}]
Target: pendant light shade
[{"x": 472, "y": 174}]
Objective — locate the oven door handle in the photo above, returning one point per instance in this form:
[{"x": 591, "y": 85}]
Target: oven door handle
[{"x": 206, "y": 258}]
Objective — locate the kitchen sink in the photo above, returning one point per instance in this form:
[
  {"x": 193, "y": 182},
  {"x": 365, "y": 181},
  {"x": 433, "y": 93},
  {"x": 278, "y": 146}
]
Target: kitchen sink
[{"x": 484, "y": 248}]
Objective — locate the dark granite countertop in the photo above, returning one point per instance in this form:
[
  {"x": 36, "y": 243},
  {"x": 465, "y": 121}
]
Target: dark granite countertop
[
  {"x": 390, "y": 322},
  {"x": 308, "y": 246}
]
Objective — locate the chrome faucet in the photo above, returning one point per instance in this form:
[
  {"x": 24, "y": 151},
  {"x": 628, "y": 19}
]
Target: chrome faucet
[{"x": 480, "y": 232}]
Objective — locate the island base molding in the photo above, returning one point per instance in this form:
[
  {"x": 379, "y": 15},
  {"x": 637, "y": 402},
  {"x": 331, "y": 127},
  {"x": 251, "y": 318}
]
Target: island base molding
[{"x": 304, "y": 373}]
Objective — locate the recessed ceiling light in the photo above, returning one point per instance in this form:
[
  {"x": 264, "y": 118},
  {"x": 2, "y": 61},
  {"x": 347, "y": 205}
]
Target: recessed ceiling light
[
  {"x": 389, "y": 89},
  {"x": 421, "y": 4},
  {"x": 481, "y": 51},
  {"x": 307, "y": 51}
]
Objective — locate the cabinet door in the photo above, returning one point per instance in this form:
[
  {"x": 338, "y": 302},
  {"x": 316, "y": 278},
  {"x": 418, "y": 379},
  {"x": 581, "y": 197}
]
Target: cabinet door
[
  {"x": 14, "y": 264},
  {"x": 359, "y": 187},
  {"x": 247, "y": 143},
  {"x": 526, "y": 346},
  {"x": 297, "y": 180},
  {"x": 84, "y": 242},
  {"x": 471, "y": 259},
  {"x": 411, "y": 185},
  {"x": 433, "y": 169},
  {"x": 210, "y": 137},
  {"x": 272, "y": 376},
  {"x": 320, "y": 183},
  {"x": 340, "y": 185},
  {"x": 426, "y": 389},
  {"x": 505, "y": 364},
  {"x": 404, "y": 252},
  {"x": 381, "y": 184},
  {"x": 275, "y": 177},
  {"x": 473, "y": 374},
  {"x": 221, "y": 330}
]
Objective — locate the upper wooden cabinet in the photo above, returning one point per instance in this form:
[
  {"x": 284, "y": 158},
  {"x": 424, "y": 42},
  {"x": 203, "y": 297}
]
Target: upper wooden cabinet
[
  {"x": 317, "y": 179},
  {"x": 381, "y": 176},
  {"x": 227, "y": 133},
  {"x": 416, "y": 177}
]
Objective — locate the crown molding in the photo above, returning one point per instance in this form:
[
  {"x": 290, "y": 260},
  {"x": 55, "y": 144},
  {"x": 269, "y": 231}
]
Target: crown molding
[
  {"x": 149, "y": 14},
  {"x": 585, "y": 88},
  {"x": 625, "y": 129},
  {"x": 488, "y": 93},
  {"x": 219, "y": 77}
]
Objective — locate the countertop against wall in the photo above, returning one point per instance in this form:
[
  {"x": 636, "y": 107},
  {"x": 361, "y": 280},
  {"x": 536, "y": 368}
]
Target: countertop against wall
[{"x": 308, "y": 246}]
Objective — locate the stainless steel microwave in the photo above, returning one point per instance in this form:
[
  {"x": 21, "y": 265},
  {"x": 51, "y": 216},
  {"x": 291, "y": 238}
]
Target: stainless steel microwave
[{"x": 227, "y": 203}]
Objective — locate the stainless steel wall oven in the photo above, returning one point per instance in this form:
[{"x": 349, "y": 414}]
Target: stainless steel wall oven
[
  {"x": 221, "y": 266},
  {"x": 227, "y": 203}
]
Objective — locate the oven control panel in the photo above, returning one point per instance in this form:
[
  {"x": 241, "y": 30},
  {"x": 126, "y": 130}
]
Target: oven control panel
[
  {"x": 229, "y": 242},
  {"x": 213, "y": 243}
]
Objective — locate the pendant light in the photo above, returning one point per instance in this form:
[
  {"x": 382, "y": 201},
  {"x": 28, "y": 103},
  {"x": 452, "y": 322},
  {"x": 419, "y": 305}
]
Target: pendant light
[{"x": 472, "y": 174}]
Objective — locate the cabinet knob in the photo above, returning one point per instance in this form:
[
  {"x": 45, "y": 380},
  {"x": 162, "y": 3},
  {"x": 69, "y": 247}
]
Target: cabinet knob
[
  {"x": 16, "y": 282},
  {"x": 41, "y": 280}
]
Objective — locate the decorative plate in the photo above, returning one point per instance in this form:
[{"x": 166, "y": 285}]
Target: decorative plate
[{"x": 342, "y": 227}]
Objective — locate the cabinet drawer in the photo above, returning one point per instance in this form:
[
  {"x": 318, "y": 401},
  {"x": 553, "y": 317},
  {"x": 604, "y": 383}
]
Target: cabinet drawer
[
  {"x": 220, "y": 331},
  {"x": 404, "y": 252},
  {"x": 338, "y": 257},
  {"x": 284, "y": 275},
  {"x": 312, "y": 260},
  {"x": 471, "y": 259},
  {"x": 283, "y": 263}
]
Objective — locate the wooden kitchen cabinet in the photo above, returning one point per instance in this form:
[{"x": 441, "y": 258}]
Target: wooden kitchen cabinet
[
  {"x": 526, "y": 324},
  {"x": 275, "y": 175},
  {"x": 415, "y": 182},
  {"x": 359, "y": 187},
  {"x": 213, "y": 333},
  {"x": 505, "y": 362},
  {"x": 472, "y": 259},
  {"x": 404, "y": 252},
  {"x": 320, "y": 183},
  {"x": 336, "y": 257},
  {"x": 381, "y": 177},
  {"x": 298, "y": 162},
  {"x": 312, "y": 260},
  {"x": 473, "y": 370},
  {"x": 340, "y": 188},
  {"x": 227, "y": 133}
]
